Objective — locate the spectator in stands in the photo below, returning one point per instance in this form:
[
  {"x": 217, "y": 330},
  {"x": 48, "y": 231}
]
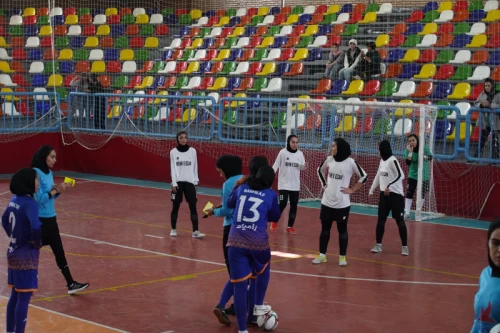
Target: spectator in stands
[
  {"x": 369, "y": 63},
  {"x": 490, "y": 122},
  {"x": 95, "y": 87},
  {"x": 335, "y": 62},
  {"x": 351, "y": 61}
]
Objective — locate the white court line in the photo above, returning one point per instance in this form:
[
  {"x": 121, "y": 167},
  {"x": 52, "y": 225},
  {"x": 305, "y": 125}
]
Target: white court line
[
  {"x": 153, "y": 236},
  {"x": 279, "y": 272},
  {"x": 76, "y": 318},
  {"x": 3, "y": 193}
]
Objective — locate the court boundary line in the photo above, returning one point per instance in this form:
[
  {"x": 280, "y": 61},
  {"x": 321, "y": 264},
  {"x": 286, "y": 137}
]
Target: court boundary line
[
  {"x": 73, "y": 317},
  {"x": 274, "y": 271}
]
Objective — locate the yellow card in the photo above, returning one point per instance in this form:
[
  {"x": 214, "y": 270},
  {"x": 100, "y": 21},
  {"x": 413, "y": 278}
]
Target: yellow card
[
  {"x": 209, "y": 205},
  {"x": 70, "y": 181}
]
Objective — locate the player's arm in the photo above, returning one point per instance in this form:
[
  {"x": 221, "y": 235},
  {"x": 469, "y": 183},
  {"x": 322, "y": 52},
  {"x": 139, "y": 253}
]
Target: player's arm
[
  {"x": 36, "y": 225},
  {"x": 173, "y": 170},
  {"x": 5, "y": 222},
  {"x": 274, "y": 212},
  {"x": 408, "y": 157},
  {"x": 43, "y": 197},
  {"x": 302, "y": 165},
  {"x": 376, "y": 180},
  {"x": 363, "y": 177},
  {"x": 195, "y": 165},
  {"x": 322, "y": 169},
  {"x": 277, "y": 163},
  {"x": 427, "y": 153},
  {"x": 224, "y": 210},
  {"x": 233, "y": 197},
  {"x": 396, "y": 169}
]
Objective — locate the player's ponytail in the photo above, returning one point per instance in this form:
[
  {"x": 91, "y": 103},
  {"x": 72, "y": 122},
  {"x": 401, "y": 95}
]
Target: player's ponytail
[{"x": 264, "y": 178}]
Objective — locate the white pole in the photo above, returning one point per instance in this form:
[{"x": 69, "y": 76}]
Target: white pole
[{"x": 421, "y": 146}]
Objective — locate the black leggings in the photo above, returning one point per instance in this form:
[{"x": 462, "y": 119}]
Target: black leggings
[
  {"x": 225, "y": 237},
  {"x": 328, "y": 216},
  {"x": 189, "y": 191},
  {"x": 52, "y": 237},
  {"x": 412, "y": 187},
  {"x": 393, "y": 202},
  {"x": 294, "y": 200}
]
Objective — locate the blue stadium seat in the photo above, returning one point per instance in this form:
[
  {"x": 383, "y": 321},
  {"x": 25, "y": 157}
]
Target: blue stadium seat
[
  {"x": 67, "y": 67},
  {"x": 441, "y": 90},
  {"x": 409, "y": 71},
  {"x": 35, "y": 54}
]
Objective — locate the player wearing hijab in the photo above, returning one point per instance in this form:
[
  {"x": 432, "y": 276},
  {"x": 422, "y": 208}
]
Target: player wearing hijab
[
  {"x": 391, "y": 198},
  {"x": 336, "y": 203},
  {"x": 290, "y": 162},
  {"x": 184, "y": 174}
]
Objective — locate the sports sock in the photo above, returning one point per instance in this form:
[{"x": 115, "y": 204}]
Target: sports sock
[
  {"x": 240, "y": 303},
  {"x": 261, "y": 285},
  {"x": 251, "y": 299},
  {"x": 23, "y": 302},
  {"x": 227, "y": 293},
  {"x": 11, "y": 311}
]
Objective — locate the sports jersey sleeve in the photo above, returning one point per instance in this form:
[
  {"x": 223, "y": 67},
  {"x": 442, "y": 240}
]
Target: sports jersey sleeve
[
  {"x": 36, "y": 225},
  {"x": 42, "y": 197},
  {"x": 376, "y": 180},
  {"x": 302, "y": 164},
  {"x": 5, "y": 222},
  {"x": 405, "y": 155},
  {"x": 233, "y": 197},
  {"x": 427, "y": 153},
  {"x": 277, "y": 163},
  {"x": 396, "y": 169},
  {"x": 356, "y": 169},
  {"x": 322, "y": 169},
  {"x": 274, "y": 212},
  {"x": 195, "y": 167},
  {"x": 224, "y": 210},
  {"x": 173, "y": 169}
]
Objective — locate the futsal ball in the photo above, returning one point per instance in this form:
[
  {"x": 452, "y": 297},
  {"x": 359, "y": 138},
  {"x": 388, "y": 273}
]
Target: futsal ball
[
  {"x": 495, "y": 329},
  {"x": 268, "y": 322}
]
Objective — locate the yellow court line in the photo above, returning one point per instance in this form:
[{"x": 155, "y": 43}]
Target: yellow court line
[
  {"x": 287, "y": 247},
  {"x": 108, "y": 257}
]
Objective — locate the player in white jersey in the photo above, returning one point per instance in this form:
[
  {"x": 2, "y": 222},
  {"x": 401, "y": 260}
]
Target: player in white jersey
[
  {"x": 391, "y": 198},
  {"x": 290, "y": 162},
  {"x": 184, "y": 172},
  {"x": 336, "y": 203}
]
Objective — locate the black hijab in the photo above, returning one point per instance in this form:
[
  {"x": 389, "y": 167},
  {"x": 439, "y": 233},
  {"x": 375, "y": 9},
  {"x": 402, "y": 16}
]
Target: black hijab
[
  {"x": 385, "y": 149},
  {"x": 495, "y": 270},
  {"x": 288, "y": 147},
  {"x": 180, "y": 147},
  {"x": 255, "y": 164},
  {"x": 39, "y": 159},
  {"x": 231, "y": 165},
  {"x": 343, "y": 150},
  {"x": 23, "y": 182},
  {"x": 263, "y": 179}
]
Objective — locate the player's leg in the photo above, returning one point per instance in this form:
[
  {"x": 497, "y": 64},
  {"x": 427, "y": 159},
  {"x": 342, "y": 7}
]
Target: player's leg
[
  {"x": 262, "y": 264},
  {"x": 397, "y": 203},
  {"x": 383, "y": 212},
  {"x": 241, "y": 271},
  {"x": 412, "y": 186},
  {"x": 23, "y": 302},
  {"x": 176, "y": 199},
  {"x": 283, "y": 202},
  {"x": 425, "y": 190},
  {"x": 327, "y": 216},
  {"x": 342, "y": 219},
  {"x": 292, "y": 214},
  {"x": 228, "y": 290},
  {"x": 11, "y": 310},
  {"x": 190, "y": 194}
]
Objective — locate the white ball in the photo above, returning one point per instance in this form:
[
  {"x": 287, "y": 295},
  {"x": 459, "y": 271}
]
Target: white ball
[
  {"x": 268, "y": 322},
  {"x": 495, "y": 329}
]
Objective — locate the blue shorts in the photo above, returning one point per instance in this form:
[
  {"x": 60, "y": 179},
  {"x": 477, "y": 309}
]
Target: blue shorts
[
  {"x": 23, "y": 280},
  {"x": 245, "y": 263}
]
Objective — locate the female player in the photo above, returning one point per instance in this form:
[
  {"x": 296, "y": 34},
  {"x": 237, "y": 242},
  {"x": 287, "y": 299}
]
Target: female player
[
  {"x": 20, "y": 222},
  {"x": 411, "y": 158},
  {"x": 44, "y": 160},
  {"x": 289, "y": 162},
  {"x": 184, "y": 173},
  {"x": 255, "y": 204},
  {"x": 336, "y": 203},
  {"x": 229, "y": 167},
  {"x": 391, "y": 198},
  {"x": 487, "y": 300}
]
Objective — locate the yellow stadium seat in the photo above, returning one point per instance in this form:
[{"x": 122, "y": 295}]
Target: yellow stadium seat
[
  {"x": 235, "y": 104},
  {"x": 263, "y": 11},
  {"x": 9, "y": 97},
  {"x": 115, "y": 111},
  {"x": 98, "y": 67},
  {"x": 445, "y": 5},
  {"x": 195, "y": 14},
  {"x": 71, "y": 19},
  {"x": 411, "y": 55},
  {"x": 193, "y": 67},
  {"x": 461, "y": 91},
  {"x": 463, "y": 127},
  {"x": 269, "y": 68},
  {"x": 333, "y": 9},
  {"x": 369, "y": 18},
  {"x": 224, "y": 20},
  {"x": 382, "y": 40},
  {"x": 220, "y": 82},
  {"x": 407, "y": 111},
  {"x": 146, "y": 82},
  {"x": 5, "y": 68},
  {"x": 198, "y": 42},
  {"x": 478, "y": 41},
  {"x": 187, "y": 116},
  {"x": 301, "y": 106},
  {"x": 293, "y": 18},
  {"x": 223, "y": 54},
  {"x": 151, "y": 43},
  {"x": 492, "y": 16},
  {"x": 126, "y": 54},
  {"x": 103, "y": 30},
  {"x": 355, "y": 87},
  {"x": 427, "y": 72},
  {"x": 159, "y": 100},
  {"x": 66, "y": 54},
  {"x": 46, "y": 30},
  {"x": 111, "y": 11},
  {"x": 238, "y": 31},
  {"x": 266, "y": 43},
  {"x": 91, "y": 42},
  {"x": 347, "y": 124},
  {"x": 429, "y": 28},
  {"x": 3, "y": 43},
  {"x": 301, "y": 54},
  {"x": 142, "y": 19},
  {"x": 310, "y": 30},
  {"x": 29, "y": 11},
  {"x": 55, "y": 80}
]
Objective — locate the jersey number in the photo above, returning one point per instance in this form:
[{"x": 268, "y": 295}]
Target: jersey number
[
  {"x": 256, "y": 203},
  {"x": 12, "y": 221}
]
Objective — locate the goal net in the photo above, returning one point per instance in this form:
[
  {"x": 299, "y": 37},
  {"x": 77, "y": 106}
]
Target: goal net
[{"x": 364, "y": 124}]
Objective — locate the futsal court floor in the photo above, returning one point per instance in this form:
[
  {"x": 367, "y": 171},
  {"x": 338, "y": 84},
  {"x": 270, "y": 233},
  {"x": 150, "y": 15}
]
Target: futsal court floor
[{"x": 116, "y": 236}]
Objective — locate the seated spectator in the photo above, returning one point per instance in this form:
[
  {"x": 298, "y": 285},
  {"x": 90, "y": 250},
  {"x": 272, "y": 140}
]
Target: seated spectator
[
  {"x": 335, "y": 62},
  {"x": 351, "y": 60},
  {"x": 369, "y": 63}
]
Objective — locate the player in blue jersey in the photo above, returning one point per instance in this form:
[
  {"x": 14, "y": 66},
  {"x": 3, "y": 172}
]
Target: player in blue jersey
[
  {"x": 487, "y": 300},
  {"x": 21, "y": 223},
  {"x": 254, "y": 204}
]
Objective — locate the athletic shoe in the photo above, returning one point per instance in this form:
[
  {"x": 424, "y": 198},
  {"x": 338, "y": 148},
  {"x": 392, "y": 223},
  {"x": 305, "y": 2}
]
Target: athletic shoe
[
  {"x": 319, "y": 259},
  {"x": 173, "y": 233},
  {"x": 342, "y": 261},
  {"x": 221, "y": 315},
  {"x": 291, "y": 230},
  {"x": 377, "y": 248},
  {"x": 274, "y": 226},
  {"x": 230, "y": 310},
  {"x": 77, "y": 287},
  {"x": 198, "y": 234},
  {"x": 404, "y": 251},
  {"x": 407, "y": 216},
  {"x": 261, "y": 310}
]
